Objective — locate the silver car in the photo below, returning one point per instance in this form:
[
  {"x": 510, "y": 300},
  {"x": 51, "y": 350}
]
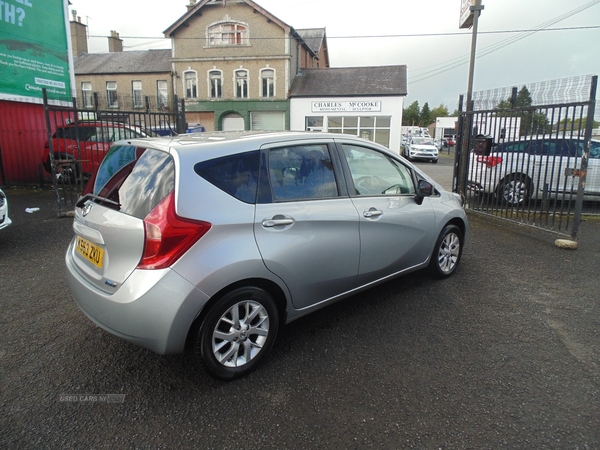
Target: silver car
[{"x": 210, "y": 242}]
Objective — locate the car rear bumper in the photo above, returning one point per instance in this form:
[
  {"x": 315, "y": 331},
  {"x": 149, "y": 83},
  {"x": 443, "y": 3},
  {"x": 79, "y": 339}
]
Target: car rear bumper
[{"x": 152, "y": 308}]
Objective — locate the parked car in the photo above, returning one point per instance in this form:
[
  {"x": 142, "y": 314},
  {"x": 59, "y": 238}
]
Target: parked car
[
  {"x": 4, "y": 219},
  {"x": 79, "y": 147},
  {"x": 215, "y": 240},
  {"x": 421, "y": 148},
  {"x": 535, "y": 167}
]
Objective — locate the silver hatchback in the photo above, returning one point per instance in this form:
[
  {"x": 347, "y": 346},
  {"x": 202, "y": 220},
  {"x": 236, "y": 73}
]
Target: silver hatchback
[{"x": 210, "y": 242}]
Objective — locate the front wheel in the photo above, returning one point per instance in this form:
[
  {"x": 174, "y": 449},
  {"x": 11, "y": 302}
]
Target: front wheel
[
  {"x": 447, "y": 252},
  {"x": 237, "y": 333}
]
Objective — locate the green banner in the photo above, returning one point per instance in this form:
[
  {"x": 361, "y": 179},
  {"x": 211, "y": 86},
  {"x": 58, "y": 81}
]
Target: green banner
[{"x": 34, "y": 50}]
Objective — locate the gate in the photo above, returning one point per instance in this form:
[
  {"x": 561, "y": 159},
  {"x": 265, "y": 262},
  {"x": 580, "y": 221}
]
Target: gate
[
  {"x": 528, "y": 155},
  {"x": 78, "y": 139}
]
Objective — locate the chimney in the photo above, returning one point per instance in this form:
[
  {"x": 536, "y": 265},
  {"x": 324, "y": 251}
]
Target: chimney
[
  {"x": 115, "y": 43},
  {"x": 192, "y": 5},
  {"x": 78, "y": 35}
]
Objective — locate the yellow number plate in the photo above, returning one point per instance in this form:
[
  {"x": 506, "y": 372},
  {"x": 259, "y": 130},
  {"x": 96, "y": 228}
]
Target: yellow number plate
[{"x": 91, "y": 251}]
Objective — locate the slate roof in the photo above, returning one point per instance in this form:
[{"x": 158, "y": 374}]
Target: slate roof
[
  {"x": 350, "y": 82},
  {"x": 313, "y": 37},
  {"x": 139, "y": 61}
]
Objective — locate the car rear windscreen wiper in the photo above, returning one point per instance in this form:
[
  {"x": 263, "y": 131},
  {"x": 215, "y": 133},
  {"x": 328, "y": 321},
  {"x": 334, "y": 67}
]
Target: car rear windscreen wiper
[{"x": 81, "y": 202}]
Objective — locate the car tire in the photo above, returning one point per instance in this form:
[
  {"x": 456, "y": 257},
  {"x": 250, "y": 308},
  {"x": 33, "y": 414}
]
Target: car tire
[
  {"x": 447, "y": 252},
  {"x": 514, "y": 190},
  {"x": 434, "y": 161},
  {"x": 237, "y": 333}
]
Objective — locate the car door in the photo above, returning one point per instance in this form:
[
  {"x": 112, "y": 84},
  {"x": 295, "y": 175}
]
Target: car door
[
  {"x": 307, "y": 233},
  {"x": 396, "y": 233}
]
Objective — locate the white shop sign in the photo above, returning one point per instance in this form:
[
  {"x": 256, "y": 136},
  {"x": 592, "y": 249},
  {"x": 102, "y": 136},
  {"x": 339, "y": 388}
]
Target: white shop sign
[{"x": 346, "y": 106}]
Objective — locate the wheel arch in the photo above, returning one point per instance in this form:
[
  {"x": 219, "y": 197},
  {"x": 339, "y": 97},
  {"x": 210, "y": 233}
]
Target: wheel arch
[{"x": 268, "y": 286}]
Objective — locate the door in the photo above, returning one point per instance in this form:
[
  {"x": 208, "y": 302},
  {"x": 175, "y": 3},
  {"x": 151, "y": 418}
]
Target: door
[
  {"x": 396, "y": 233},
  {"x": 308, "y": 234}
]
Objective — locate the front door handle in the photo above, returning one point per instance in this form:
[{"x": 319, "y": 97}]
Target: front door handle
[{"x": 372, "y": 212}]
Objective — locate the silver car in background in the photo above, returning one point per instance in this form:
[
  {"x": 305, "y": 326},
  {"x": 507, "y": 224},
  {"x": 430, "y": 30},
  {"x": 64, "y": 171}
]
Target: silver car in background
[{"x": 210, "y": 242}]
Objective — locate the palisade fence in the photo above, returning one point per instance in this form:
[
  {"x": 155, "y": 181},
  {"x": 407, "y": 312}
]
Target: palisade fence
[
  {"x": 79, "y": 136},
  {"x": 526, "y": 154}
]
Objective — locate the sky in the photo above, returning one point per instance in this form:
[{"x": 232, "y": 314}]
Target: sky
[{"x": 518, "y": 42}]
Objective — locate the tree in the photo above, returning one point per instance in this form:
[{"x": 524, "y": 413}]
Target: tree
[
  {"x": 411, "y": 115},
  {"x": 440, "y": 111},
  {"x": 425, "y": 117}
]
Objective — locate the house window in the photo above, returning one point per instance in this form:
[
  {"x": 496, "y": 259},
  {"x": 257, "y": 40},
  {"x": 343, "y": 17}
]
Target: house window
[
  {"x": 162, "y": 94},
  {"x": 314, "y": 123},
  {"x": 228, "y": 33},
  {"x": 111, "y": 94},
  {"x": 376, "y": 129},
  {"x": 241, "y": 83},
  {"x": 87, "y": 95},
  {"x": 216, "y": 83},
  {"x": 136, "y": 92},
  {"x": 267, "y": 83},
  {"x": 191, "y": 84}
]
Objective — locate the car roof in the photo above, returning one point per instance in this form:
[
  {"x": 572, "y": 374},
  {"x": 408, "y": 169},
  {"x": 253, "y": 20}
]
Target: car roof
[{"x": 243, "y": 140}]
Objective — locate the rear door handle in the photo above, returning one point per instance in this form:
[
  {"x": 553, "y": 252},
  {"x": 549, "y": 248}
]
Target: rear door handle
[{"x": 277, "y": 221}]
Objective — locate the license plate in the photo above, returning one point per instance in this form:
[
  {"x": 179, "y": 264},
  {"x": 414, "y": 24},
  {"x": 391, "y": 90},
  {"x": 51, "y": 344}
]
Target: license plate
[{"x": 90, "y": 251}]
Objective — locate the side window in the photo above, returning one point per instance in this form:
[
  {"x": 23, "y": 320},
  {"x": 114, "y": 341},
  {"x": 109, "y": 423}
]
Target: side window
[
  {"x": 374, "y": 173},
  {"x": 594, "y": 150},
  {"x": 235, "y": 174},
  {"x": 302, "y": 173}
]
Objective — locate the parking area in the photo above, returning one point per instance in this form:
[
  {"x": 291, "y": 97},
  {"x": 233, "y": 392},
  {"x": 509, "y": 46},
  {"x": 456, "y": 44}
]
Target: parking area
[{"x": 506, "y": 353}]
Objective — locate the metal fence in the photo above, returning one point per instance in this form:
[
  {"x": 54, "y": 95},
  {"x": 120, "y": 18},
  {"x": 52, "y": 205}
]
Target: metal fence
[
  {"x": 527, "y": 155},
  {"x": 78, "y": 139}
]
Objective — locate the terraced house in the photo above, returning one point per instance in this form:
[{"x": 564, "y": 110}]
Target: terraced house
[{"x": 231, "y": 60}]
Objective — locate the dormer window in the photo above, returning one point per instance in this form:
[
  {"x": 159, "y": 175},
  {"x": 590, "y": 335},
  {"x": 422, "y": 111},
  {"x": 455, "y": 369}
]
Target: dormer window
[{"x": 228, "y": 33}]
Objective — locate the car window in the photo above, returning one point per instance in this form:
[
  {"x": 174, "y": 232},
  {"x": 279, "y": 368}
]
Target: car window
[
  {"x": 235, "y": 174},
  {"x": 375, "y": 173},
  {"x": 511, "y": 147},
  {"x": 302, "y": 172}
]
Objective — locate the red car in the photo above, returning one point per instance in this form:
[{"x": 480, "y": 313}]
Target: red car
[{"x": 79, "y": 147}]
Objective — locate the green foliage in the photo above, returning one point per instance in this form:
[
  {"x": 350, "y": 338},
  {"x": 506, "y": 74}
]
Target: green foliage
[
  {"x": 411, "y": 115},
  {"x": 440, "y": 111},
  {"x": 425, "y": 117}
]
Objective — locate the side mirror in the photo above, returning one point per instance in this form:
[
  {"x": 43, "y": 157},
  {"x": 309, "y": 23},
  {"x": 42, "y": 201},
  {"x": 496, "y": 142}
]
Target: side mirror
[{"x": 424, "y": 189}]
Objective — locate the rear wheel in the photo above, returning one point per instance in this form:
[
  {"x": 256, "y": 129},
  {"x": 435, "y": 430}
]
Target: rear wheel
[
  {"x": 237, "y": 333},
  {"x": 514, "y": 190},
  {"x": 447, "y": 252}
]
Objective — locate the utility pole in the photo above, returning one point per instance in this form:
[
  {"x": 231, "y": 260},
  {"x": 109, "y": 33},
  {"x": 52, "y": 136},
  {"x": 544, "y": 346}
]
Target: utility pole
[{"x": 467, "y": 128}]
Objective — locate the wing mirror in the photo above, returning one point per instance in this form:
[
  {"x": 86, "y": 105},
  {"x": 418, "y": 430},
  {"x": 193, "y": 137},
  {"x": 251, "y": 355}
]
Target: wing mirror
[{"x": 424, "y": 189}]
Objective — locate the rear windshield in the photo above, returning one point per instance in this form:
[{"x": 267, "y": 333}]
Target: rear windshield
[{"x": 136, "y": 178}]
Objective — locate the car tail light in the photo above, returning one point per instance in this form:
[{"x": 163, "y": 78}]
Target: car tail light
[
  {"x": 489, "y": 161},
  {"x": 168, "y": 236}
]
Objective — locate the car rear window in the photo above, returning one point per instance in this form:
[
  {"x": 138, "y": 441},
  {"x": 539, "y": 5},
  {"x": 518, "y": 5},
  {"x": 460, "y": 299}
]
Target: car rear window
[
  {"x": 235, "y": 174},
  {"x": 136, "y": 178}
]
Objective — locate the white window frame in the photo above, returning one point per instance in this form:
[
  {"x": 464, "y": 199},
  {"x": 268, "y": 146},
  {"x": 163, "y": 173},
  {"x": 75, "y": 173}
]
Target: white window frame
[
  {"x": 111, "y": 94},
  {"x": 241, "y": 89},
  {"x": 87, "y": 94},
  {"x": 215, "y": 91},
  {"x": 194, "y": 87},
  {"x": 227, "y": 33},
  {"x": 137, "y": 98},
  {"x": 162, "y": 93},
  {"x": 271, "y": 89}
]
